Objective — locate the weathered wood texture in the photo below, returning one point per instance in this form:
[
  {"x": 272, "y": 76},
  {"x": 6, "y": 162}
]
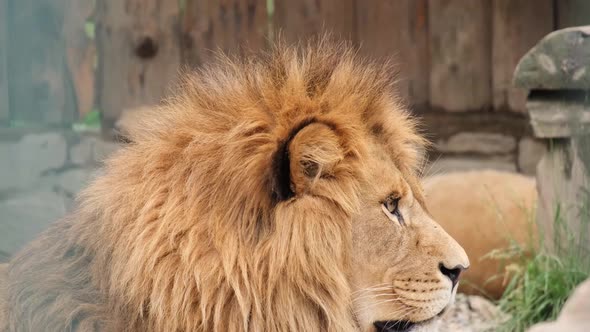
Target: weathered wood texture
[
  {"x": 460, "y": 46},
  {"x": 297, "y": 20},
  {"x": 138, "y": 53},
  {"x": 80, "y": 52},
  {"x": 517, "y": 26},
  {"x": 40, "y": 89},
  {"x": 228, "y": 25},
  {"x": 571, "y": 13},
  {"x": 4, "y": 102},
  {"x": 398, "y": 29},
  {"x": 452, "y": 55}
]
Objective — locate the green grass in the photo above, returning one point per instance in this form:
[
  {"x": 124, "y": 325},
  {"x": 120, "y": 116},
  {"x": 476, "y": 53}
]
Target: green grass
[
  {"x": 541, "y": 282},
  {"x": 89, "y": 29},
  {"x": 90, "y": 122}
]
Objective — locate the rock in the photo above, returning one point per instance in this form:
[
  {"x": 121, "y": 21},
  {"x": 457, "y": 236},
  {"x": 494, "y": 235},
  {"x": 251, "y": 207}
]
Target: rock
[
  {"x": 557, "y": 70},
  {"x": 103, "y": 149},
  {"x": 530, "y": 152},
  {"x": 26, "y": 215},
  {"x": 471, "y": 313},
  {"x": 561, "y": 176},
  {"x": 559, "y": 115},
  {"x": 456, "y": 164},
  {"x": 83, "y": 153},
  {"x": 74, "y": 180},
  {"x": 575, "y": 315},
  {"x": 471, "y": 142},
  {"x": 29, "y": 158},
  {"x": 91, "y": 151},
  {"x": 561, "y": 60},
  {"x": 49, "y": 149}
]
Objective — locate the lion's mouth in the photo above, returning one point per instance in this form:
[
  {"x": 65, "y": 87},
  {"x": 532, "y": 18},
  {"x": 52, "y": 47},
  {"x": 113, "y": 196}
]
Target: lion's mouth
[
  {"x": 393, "y": 326},
  {"x": 402, "y": 325}
]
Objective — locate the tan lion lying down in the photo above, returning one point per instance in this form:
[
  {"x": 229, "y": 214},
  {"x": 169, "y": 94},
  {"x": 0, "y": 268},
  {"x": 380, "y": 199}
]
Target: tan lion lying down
[{"x": 483, "y": 210}]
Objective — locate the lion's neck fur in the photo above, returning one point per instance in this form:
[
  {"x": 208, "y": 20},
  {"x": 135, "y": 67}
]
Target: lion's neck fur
[
  {"x": 293, "y": 281},
  {"x": 231, "y": 284}
]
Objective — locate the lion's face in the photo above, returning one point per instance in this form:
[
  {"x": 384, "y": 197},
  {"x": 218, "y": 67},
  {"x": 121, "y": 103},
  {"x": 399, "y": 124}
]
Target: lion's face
[{"x": 405, "y": 266}]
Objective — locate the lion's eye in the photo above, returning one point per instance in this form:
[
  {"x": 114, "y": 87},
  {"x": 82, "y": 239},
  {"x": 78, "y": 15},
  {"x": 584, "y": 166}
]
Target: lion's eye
[
  {"x": 391, "y": 209},
  {"x": 391, "y": 204}
]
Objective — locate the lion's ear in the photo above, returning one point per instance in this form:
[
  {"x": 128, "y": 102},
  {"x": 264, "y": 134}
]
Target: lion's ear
[{"x": 307, "y": 157}]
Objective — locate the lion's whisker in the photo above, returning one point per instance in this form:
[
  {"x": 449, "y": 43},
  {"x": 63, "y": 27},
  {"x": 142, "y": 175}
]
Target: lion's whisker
[
  {"x": 370, "y": 287},
  {"x": 369, "y": 305},
  {"x": 372, "y": 290},
  {"x": 365, "y": 296}
]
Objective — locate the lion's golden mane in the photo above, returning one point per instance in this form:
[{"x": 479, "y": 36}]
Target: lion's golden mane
[{"x": 184, "y": 230}]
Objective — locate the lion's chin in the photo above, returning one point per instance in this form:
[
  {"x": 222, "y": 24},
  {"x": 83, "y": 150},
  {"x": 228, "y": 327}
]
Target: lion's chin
[
  {"x": 393, "y": 326},
  {"x": 429, "y": 325}
]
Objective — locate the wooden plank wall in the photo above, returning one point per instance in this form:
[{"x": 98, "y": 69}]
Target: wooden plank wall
[
  {"x": 572, "y": 13},
  {"x": 517, "y": 26},
  {"x": 208, "y": 26},
  {"x": 80, "y": 52},
  {"x": 296, "y": 20},
  {"x": 399, "y": 28},
  {"x": 138, "y": 53},
  {"x": 40, "y": 88},
  {"x": 460, "y": 72},
  {"x": 454, "y": 56}
]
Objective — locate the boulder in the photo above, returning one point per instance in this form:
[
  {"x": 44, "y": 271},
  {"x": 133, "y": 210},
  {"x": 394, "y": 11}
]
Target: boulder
[
  {"x": 560, "y": 61},
  {"x": 29, "y": 158}
]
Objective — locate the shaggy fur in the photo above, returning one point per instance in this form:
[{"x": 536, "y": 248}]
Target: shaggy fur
[
  {"x": 251, "y": 200},
  {"x": 498, "y": 212}
]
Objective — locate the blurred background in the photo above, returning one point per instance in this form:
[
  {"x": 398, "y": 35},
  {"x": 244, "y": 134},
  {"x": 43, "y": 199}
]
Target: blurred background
[{"x": 69, "y": 69}]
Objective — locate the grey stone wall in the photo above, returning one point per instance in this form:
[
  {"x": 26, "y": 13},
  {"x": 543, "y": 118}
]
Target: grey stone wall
[
  {"x": 40, "y": 174},
  {"x": 476, "y": 150},
  {"x": 481, "y": 140}
]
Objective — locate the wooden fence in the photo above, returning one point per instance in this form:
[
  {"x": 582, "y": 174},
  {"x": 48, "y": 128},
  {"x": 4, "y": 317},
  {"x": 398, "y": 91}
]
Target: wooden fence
[{"x": 61, "y": 58}]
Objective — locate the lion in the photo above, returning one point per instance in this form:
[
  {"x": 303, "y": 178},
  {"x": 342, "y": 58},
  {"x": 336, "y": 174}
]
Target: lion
[
  {"x": 274, "y": 192},
  {"x": 486, "y": 211}
]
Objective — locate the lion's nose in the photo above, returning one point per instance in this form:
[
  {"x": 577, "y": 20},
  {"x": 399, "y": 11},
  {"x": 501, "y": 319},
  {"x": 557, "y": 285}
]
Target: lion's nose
[{"x": 452, "y": 273}]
